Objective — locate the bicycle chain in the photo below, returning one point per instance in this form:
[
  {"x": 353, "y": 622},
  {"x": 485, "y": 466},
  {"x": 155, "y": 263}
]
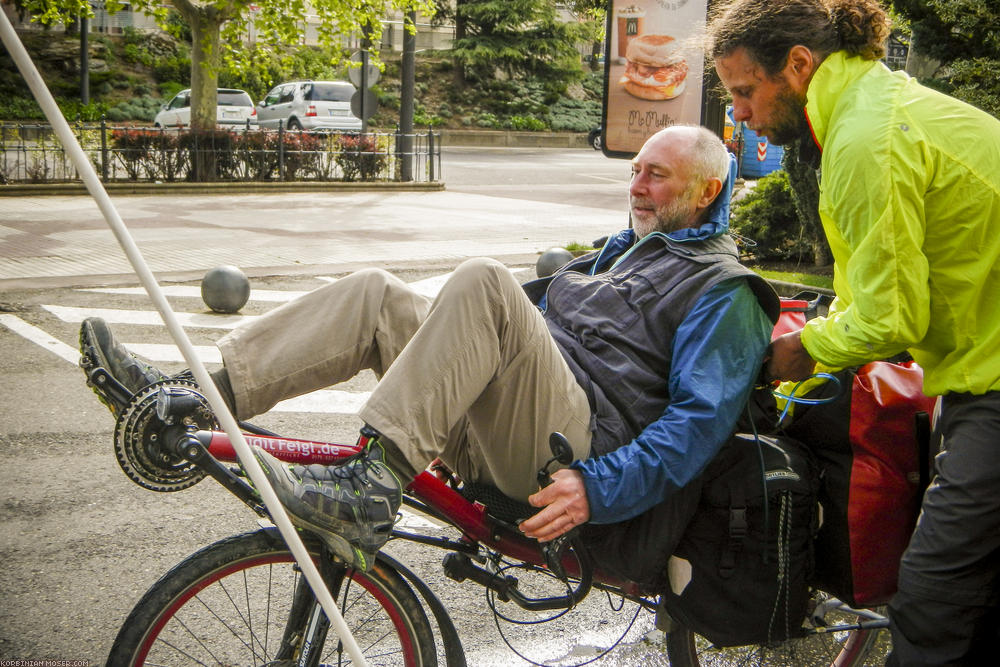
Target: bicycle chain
[{"x": 137, "y": 441}]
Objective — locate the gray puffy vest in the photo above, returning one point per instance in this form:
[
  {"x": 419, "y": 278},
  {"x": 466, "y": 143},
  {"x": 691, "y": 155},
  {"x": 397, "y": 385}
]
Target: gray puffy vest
[{"x": 616, "y": 329}]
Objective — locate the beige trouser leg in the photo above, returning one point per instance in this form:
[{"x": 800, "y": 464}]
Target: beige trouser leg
[
  {"x": 482, "y": 360},
  {"x": 327, "y": 336}
]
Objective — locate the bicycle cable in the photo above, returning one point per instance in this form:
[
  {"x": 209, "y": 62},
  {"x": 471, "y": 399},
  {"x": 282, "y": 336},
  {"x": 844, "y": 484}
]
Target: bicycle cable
[
  {"x": 791, "y": 398},
  {"x": 497, "y": 615}
]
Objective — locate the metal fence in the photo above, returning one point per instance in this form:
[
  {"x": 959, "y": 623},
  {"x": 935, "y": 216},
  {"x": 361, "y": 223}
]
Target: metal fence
[{"x": 33, "y": 154}]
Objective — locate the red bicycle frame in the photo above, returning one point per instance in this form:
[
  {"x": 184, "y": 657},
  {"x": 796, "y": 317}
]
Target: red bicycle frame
[{"x": 469, "y": 517}]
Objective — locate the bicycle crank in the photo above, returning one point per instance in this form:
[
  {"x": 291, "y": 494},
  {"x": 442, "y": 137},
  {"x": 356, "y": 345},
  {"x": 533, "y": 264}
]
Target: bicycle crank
[{"x": 138, "y": 441}]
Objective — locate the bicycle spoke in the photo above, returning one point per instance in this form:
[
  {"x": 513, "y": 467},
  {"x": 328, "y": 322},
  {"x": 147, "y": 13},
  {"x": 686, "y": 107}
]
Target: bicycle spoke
[{"x": 219, "y": 606}]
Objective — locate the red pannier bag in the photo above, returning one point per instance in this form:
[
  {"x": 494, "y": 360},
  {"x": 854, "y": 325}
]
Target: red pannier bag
[{"x": 872, "y": 443}]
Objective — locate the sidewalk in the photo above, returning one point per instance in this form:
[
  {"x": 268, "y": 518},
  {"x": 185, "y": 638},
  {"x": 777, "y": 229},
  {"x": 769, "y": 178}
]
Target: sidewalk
[{"x": 56, "y": 241}]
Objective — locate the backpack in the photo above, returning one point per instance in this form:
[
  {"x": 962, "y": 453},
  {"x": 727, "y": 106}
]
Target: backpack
[{"x": 740, "y": 573}]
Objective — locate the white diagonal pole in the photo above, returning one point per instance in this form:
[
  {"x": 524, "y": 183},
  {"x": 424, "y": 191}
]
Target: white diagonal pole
[{"x": 97, "y": 191}]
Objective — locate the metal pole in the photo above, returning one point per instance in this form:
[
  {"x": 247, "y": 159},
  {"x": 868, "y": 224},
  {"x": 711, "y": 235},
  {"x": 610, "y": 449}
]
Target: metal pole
[
  {"x": 366, "y": 44},
  {"x": 207, "y": 386},
  {"x": 84, "y": 60},
  {"x": 104, "y": 149},
  {"x": 406, "y": 95},
  {"x": 430, "y": 154},
  {"x": 281, "y": 150}
]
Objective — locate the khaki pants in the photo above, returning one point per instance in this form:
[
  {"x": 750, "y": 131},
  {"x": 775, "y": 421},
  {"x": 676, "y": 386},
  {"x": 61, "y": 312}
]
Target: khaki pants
[{"x": 473, "y": 377}]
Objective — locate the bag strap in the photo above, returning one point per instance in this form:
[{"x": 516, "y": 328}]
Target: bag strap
[{"x": 738, "y": 530}]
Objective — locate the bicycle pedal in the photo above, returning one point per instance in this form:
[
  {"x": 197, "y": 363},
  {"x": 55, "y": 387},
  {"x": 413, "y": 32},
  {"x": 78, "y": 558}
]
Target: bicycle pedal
[{"x": 109, "y": 391}]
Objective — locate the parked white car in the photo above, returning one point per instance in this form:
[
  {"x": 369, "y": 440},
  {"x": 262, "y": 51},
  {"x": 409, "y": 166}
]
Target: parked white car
[
  {"x": 234, "y": 109},
  {"x": 309, "y": 105}
]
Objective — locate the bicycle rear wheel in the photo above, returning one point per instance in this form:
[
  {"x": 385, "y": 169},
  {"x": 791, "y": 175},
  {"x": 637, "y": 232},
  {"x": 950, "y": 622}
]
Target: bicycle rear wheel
[
  {"x": 842, "y": 648},
  {"x": 243, "y": 601}
]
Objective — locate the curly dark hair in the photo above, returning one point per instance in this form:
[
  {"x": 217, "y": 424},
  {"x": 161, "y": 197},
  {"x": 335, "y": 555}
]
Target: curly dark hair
[{"x": 767, "y": 29}]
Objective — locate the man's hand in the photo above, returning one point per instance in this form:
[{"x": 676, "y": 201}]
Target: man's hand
[
  {"x": 789, "y": 359},
  {"x": 565, "y": 502}
]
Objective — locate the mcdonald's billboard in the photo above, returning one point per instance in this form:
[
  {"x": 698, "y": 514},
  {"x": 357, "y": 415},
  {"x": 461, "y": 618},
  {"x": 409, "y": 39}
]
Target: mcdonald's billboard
[{"x": 653, "y": 70}]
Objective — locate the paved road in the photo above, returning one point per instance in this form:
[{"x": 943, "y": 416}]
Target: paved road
[
  {"x": 80, "y": 543},
  {"x": 498, "y": 202}
]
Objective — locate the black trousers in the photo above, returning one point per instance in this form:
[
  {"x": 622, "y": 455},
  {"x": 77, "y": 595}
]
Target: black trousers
[{"x": 946, "y": 610}]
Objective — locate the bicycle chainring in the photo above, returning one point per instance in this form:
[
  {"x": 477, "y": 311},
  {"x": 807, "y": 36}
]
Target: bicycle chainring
[{"x": 138, "y": 443}]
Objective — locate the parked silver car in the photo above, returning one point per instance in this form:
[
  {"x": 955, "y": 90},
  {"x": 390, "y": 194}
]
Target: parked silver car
[
  {"x": 234, "y": 109},
  {"x": 309, "y": 105}
]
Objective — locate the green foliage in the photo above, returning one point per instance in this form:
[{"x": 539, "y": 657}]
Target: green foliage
[
  {"x": 136, "y": 53},
  {"x": 797, "y": 277},
  {"x": 977, "y": 81},
  {"x": 77, "y": 110},
  {"x": 575, "y": 115},
  {"x": 578, "y": 248},
  {"x": 170, "y": 88},
  {"x": 529, "y": 123},
  {"x": 520, "y": 39},
  {"x": 768, "y": 217},
  {"x": 964, "y": 36},
  {"x": 422, "y": 118},
  {"x": 140, "y": 108},
  {"x": 26, "y": 108},
  {"x": 175, "y": 67},
  {"x": 20, "y": 108}
]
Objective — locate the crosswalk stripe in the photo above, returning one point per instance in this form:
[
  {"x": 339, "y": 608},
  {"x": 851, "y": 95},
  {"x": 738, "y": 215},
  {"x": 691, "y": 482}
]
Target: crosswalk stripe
[
  {"x": 164, "y": 353},
  {"x": 325, "y": 401},
  {"x": 148, "y": 317},
  {"x": 194, "y": 291},
  {"x": 36, "y": 335}
]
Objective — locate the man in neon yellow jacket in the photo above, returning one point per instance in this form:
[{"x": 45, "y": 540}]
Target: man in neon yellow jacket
[{"x": 910, "y": 203}]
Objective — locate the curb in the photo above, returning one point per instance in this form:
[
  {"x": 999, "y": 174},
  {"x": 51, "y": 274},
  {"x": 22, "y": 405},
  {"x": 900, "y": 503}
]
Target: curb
[
  {"x": 78, "y": 188},
  {"x": 513, "y": 139}
]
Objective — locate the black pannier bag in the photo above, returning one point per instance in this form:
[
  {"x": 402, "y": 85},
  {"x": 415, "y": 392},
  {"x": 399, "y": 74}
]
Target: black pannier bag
[{"x": 740, "y": 574}]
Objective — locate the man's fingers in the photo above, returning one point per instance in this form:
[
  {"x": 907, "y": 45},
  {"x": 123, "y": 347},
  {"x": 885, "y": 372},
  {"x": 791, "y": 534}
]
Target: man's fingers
[
  {"x": 535, "y": 522},
  {"x": 548, "y": 524}
]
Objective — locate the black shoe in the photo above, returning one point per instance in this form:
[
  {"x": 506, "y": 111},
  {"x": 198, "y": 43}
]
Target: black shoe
[
  {"x": 352, "y": 505},
  {"x": 113, "y": 372}
]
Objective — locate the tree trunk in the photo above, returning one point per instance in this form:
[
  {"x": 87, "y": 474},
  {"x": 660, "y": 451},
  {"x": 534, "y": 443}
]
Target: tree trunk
[
  {"x": 805, "y": 193},
  {"x": 919, "y": 66},
  {"x": 458, "y": 73},
  {"x": 596, "y": 49},
  {"x": 206, "y": 58}
]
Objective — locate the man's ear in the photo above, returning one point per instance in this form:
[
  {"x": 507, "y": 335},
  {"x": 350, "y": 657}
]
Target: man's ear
[
  {"x": 800, "y": 65},
  {"x": 709, "y": 191}
]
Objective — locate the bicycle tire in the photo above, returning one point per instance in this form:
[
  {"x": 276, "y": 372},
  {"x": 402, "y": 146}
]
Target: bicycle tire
[
  {"x": 232, "y": 602},
  {"x": 844, "y": 649}
]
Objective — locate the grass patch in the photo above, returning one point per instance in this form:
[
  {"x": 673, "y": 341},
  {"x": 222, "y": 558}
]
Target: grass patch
[
  {"x": 808, "y": 279},
  {"x": 579, "y": 248}
]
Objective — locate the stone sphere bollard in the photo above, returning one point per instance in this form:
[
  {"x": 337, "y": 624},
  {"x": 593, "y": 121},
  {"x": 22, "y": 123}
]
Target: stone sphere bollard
[
  {"x": 225, "y": 289},
  {"x": 551, "y": 261}
]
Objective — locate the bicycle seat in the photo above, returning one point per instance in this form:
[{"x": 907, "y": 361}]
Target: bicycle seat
[{"x": 497, "y": 504}]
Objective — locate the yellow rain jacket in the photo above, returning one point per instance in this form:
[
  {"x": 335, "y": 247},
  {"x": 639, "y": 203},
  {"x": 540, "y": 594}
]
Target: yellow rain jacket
[{"x": 910, "y": 202}]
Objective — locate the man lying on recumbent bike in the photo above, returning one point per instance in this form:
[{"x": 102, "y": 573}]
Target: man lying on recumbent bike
[{"x": 642, "y": 353}]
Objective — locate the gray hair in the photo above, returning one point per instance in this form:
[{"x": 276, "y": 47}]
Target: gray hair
[{"x": 709, "y": 158}]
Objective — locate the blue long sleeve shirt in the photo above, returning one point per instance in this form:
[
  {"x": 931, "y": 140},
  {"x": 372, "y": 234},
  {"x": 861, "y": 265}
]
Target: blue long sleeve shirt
[{"x": 718, "y": 351}]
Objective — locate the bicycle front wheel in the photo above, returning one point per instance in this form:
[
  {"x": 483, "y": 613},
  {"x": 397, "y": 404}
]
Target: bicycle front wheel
[{"x": 243, "y": 601}]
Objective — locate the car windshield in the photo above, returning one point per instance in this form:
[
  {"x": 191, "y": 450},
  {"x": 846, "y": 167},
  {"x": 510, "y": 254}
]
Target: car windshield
[
  {"x": 234, "y": 98},
  {"x": 329, "y": 92}
]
